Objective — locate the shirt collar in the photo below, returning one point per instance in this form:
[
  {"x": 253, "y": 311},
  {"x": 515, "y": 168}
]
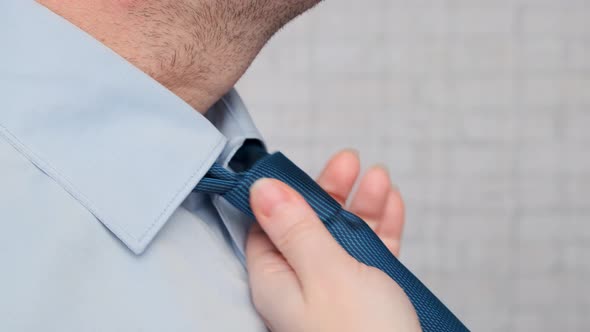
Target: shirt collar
[{"x": 124, "y": 146}]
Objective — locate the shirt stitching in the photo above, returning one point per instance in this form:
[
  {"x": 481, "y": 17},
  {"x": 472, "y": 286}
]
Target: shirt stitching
[
  {"x": 200, "y": 168},
  {"x": 70, "y": 188},
  {"x": 46, "y": 167}
]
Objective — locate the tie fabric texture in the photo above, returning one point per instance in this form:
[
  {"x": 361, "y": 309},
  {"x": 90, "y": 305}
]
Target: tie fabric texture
[{"x": 351, "y": 232}]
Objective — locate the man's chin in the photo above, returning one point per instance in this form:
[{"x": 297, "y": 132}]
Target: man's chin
[
  {"x": 305, "y": 4},
  {"x": 293, "y": 8}
]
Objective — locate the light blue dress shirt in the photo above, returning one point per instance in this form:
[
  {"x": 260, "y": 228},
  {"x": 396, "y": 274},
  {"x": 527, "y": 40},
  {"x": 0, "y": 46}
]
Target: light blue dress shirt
[{"x": 100, "y": 231}]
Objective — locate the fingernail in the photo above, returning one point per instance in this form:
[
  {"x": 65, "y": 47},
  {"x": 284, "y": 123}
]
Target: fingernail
[
  {"x": 383, "y": 167},
  {"x": 268, "y": 195},
  {"x": 353, "y": 151}
]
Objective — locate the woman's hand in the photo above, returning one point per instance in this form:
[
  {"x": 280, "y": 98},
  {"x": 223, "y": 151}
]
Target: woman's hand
[
  {"x": 302, "y": 280},
  {"x": 376, "y": 201}
]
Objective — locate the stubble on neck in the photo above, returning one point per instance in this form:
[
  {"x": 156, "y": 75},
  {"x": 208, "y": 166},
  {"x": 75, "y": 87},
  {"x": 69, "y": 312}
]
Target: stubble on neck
[{"x": 198, "y": 49}]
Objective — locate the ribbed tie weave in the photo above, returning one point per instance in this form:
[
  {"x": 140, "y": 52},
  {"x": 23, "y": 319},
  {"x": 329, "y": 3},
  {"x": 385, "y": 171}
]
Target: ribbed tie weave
[{"x": 350, "y": 231}]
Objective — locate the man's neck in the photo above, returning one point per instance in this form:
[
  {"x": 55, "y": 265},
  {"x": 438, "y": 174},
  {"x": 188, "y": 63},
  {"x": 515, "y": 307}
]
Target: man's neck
[{"x": 198, "y": 62}]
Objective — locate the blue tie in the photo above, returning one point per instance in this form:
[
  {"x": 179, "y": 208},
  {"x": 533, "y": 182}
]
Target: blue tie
[{"x": 350, "y": 231}]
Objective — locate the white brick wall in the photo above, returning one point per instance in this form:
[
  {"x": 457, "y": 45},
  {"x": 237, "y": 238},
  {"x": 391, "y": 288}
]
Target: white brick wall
[{"x": 481, "y": 108}]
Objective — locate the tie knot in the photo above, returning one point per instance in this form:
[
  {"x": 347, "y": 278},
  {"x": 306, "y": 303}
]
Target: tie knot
[
  {"x": 218, "y": 180},
  {"x": 235, "y": 187}
]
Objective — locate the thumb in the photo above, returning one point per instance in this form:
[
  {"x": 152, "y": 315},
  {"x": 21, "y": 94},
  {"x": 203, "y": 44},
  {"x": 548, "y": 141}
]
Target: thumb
[{"x": 295, "y": 230}]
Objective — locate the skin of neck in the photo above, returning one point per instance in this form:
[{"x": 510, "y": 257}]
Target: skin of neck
[{"x": 198, "y": 49}]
